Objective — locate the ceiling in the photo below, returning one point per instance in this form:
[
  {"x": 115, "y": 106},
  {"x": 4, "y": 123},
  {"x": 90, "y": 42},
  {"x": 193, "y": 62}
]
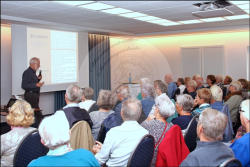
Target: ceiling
[{"x": 54, "y": 15}]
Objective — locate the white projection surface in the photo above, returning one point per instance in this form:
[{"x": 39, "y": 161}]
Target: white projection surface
[{"x": 58, "y": 54}]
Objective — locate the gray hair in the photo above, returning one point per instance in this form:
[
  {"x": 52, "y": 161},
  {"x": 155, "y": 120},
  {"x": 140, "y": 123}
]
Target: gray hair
[
  {"x": 88, "y": 93},
  {"x": 123, "y": 90},
  {"x": 159, "y": 84},
  {"x": 74, "y": 93},
  {"x": 104, "y": 99},
  {"x": 148, "y": 90},
  {"x": 145, "y": 81},
  {"x": 131, "y": 109},
  {"x": 165, "y": 106},
  {"x": 186, "y": 101},
  {"x": 213, "y": 123},
  {"x": 237, "y": 85},
  {"x": 34, "y": 60},
  {"x": 192, "y": 83},
  {"x": 216, "y": 92},
  {"x": 54, "y": 130}
]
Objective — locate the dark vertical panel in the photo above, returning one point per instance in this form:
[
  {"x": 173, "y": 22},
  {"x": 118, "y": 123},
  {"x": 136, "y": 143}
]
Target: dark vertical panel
[
  {"x": 59, "y": 100},
  {"x": 99, "y": 62}
]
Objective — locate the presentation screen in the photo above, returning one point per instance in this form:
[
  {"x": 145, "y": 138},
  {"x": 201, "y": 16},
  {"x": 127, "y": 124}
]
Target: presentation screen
[{"x": 58, "y": 54}]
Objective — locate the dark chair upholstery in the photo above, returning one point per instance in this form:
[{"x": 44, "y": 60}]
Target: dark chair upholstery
[
  {"x": 29, "y": 149},
  {"x": 143, "y": 153},
  {"x": 190, "y": 135},
  {"x": 231, "y": 163}
]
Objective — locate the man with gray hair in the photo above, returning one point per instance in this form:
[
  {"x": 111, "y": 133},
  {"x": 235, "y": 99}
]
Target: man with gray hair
[
  {"x": 122, "y": 140},
  {"x": 171, "y": 85},
  {"x": 31, "y": 84},
  {"x": 87, "y": 103},
  {"x": 72, "y": 111},
  {"x": 210, "y": 129}
]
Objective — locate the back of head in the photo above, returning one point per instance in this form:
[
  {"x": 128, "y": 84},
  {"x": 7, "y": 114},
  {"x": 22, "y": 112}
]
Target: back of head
[
  {"x": 123, "y": 91},
  {"x": 34, "y": 60},
  {"x": 213, "y": 123},
  {"x": 204, "y": 94},
  {"x": 181, "y": 80},
  {"x": 131, "y": 109},
  {"x": 20, "y": 114},
  {"x": 212, "y": 78},
  {"x": 159, "y": 84},
  {"x": 165, "y": 105},
  {"x": 192, "y": 84},
  {"x": 104, "y": 100},
  {"x": 186, "y": 101},
  {"x": 54, "y": 130},
  {"x": 168, "y": 78},
  {"x": 88, "y": 93},
  {"x": 196, "y": 76},
  {"x": 244, "y": 83},
  {"x": 216, "y": 92},
  {"x": 227, "y": 80},
  {"x": 244, "y": 107},
  {"x": 74, "y": 93}
]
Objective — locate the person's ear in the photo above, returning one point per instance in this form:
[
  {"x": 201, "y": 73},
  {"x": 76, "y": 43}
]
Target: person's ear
[{"x": 42, "y": 141}]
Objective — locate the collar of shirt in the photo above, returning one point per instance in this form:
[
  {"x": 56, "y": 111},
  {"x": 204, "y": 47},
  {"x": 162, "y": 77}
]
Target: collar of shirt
[
  {"x": 129, "y": 123},
  {"x": 217, "y": 103},
  {"x": 204, "y": 105},
  {"x": 202, "y": 143},
  {"x": 71, "y": 105},
  {"x": 32, "y": 70},
  {"x": 86, "y": 104},
  {"x": 59, "y": 150}
]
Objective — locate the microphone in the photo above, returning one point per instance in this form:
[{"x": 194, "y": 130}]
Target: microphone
[{"x": 40, "y": 73}]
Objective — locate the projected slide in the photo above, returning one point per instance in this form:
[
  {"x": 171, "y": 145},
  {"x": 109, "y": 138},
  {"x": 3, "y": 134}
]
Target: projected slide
[{"x": 57, "y": 51}]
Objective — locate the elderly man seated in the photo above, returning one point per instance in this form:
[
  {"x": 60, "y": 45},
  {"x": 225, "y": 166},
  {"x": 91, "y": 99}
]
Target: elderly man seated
[
  {"x": 120, "y": 141},
  {"x": 241, "y": 147},
  {"x": 54, "y": 132},
  {"x": 72, "y": 111},
  {"x": 210, "y": 151}
]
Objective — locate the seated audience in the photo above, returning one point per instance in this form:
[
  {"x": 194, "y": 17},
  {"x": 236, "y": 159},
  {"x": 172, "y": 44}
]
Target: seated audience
[
  {"x": 171, "y": 85},
  {"x": 210, "y": 151},
  {"x": 156, "y": 124},
  {"x": 202, "y": 100},
  {"x": 20, "y": 117},
  {"x": 211, "y": 80},
  {"x": 54, "y": 132},
  {"x": 121, "y": 141},
  {"x": 181, "y": 86},
  {"x": 233, "y": 100},
  {"x": 186, "y": 79},
  {"x": 241, "y": 147},
  {"x": 105, "y": 109},
  {"x": 72, "y": 111},
  {"x": 191, "y": 88},
  {"x": 226, "y": 82},
  {"x": 199, "y": 81},
  {"x": 219, "y": 82},
  {"x": 184, "y": 105},
  {"x": 245, "y": 88},
  {"x": 217, "y": 104},
  {"x": 87, "y": 103},
  {"x": 147, "y": 92}
]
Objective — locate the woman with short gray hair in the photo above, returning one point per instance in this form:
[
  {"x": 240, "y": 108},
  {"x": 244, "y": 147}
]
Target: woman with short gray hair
[
  {"x": 157, "y": 124},
  {"x": 104, "y": 102},
  {"x": 184, "y": 105}
]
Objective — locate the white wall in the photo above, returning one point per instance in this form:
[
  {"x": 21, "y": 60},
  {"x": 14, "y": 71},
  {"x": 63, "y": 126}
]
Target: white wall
[
  {"x": 144, "y": 51},
  {"x": 7, "y": 62}
]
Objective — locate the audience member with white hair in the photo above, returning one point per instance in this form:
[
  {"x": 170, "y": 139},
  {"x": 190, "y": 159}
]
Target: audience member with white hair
[
  {"x": 241, "y": 147},
  {"x": 147, "y": 92},
  {"x": 210, "y": 151},
  {"x": 55, "y": 134},
  {"x": 87, "y": 103},
  {"x": 184, "y": 105},
  {"x": 191, "y": 86},
  {"x": 171, "y": 85},
  {"x": 233, "y": 100},
  {"x": 20, "y": 117},
  {"x": 157, "y": 124},
  {"x": 120, "y": 141},
  {"x": 219, "y": 82},
  {"x": 217, "y": 104},
  {"x": 199, "y": 81},
  {"x": 72, "y": 111}
]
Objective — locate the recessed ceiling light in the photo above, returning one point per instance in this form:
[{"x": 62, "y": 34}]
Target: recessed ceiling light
[
  {"x": 169, "y": 24},
  {"x": 97, "y": 6},
  {"x": 239, "y": 2},
  {"x": 159, "y": 21},
  {"x": 74, "y": 3},
  {"x": 133, "y": 15},
  {"x": 147, "y": 18},
  {"x": 116, "y": 11},
  {"x": 213, "y": 19},
  {"x": 237, "y": 17},
  {"x": 190, "y": 21}
]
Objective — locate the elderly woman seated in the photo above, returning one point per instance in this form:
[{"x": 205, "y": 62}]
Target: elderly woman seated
[
  {"x": 184, "y": 104},
  {"x": 20, "y": 117},
  {"x": 105, "y": 105},
  {"x": 54, "y": 132},
  {"x": 157, "y": 124},
  {"x": 202, "y": 100}
]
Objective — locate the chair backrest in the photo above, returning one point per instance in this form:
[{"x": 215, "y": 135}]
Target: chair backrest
[
  {"x": 190, "y": 134},
  {"x": 29, "y": 149},
  {"x": 81, "y": 136},
  {"x": 143, "y": 153},
  {"x": 231, "y": 163}
]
